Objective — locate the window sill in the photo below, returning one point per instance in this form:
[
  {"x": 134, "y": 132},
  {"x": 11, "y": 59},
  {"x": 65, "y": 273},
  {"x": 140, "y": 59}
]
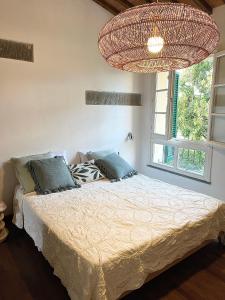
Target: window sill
[{"x": 179, "y": 174}]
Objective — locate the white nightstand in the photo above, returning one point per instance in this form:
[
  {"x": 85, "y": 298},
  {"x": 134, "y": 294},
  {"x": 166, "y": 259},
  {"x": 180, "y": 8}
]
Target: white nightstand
[{"x": 3, "y": 231}]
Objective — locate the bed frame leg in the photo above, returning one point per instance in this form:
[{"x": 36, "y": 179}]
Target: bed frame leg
[{"x": 221, "y": 238}]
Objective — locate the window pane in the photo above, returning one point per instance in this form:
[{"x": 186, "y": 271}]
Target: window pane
[
  {"x": 194, "y": 90},
  {"x": 191, "y": 160},
  {"x": 160, "y": 124},
  {"x": 162, "y": 80},
  {"x": 219, "y": 97},
  {"x": 163, "y": 154},
  {"x": 161, "y": 101},
  {"x": 218, "y": 129},
  {"x": 220, "y": 72}
]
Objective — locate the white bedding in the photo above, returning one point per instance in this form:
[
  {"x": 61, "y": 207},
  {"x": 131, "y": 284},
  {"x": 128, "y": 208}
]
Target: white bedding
[{"x": 105, "y": 238}]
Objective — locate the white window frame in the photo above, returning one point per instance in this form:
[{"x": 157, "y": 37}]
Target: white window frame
[
  {"x": 168, "y": 111},
  {"x": 177, "y": 143},
  {"x": 212, "y": 114}
]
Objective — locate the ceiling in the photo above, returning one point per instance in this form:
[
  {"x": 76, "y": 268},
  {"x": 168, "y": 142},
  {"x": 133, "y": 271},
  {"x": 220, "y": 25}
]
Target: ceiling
[{"x": 116, "y": 6}]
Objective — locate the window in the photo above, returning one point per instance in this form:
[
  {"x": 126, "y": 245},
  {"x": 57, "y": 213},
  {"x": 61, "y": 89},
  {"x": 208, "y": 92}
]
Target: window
[
  {"x": 180, "y": 121},
  {"x": 161, "y": 103},
  {"x": 193, "y": 90},
  {"x": 216, "y": 133}
]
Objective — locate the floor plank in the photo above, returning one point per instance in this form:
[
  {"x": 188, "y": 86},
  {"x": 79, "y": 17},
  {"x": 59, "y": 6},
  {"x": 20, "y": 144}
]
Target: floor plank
[
  {"x": 11, "y": 283},
  {"x": 26, "y": 275}
]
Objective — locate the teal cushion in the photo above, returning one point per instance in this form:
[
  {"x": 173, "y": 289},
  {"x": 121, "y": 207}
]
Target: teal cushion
[
  {"x": 51, "y": 175},
  {"x": 98, "y": 154},
  {"x": 22, "y": 173},
  {"x": 115, "y": 167}
]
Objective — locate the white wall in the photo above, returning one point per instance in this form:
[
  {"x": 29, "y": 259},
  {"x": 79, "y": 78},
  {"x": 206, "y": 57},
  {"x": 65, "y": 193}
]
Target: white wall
[
  {"x": 219, "y": 17},
  {"x": 217, "y": 186},
  {"x": 42, "y": 104}
]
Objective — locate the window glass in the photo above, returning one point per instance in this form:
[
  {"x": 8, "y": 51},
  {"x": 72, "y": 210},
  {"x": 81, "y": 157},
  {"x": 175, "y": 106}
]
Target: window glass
[
  {"x": 191, "y": 160},
  {"x": 163, "y": 154},
  {"x": 160, "y": 124},
  {"x": 219, "y": 100},
  {"x": 162, "y": 79},
  {"x": 218, "y": 129},
  {"x": 161, "y": 101},
  {"x": 192, "y": 94},
  {"x": 220, "y": 72}
]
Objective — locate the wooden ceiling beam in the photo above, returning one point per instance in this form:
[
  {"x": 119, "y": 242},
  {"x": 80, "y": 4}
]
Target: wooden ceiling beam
[
  {"x": 138, "y": 2},
  {"x": 107, "y": 6},
  {"x": 202, "y": 4},
  {"x": 125, "y": 3}
]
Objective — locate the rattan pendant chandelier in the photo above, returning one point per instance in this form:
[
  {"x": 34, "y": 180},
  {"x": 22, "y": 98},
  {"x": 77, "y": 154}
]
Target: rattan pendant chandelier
[{"x": 158, "y": 37}]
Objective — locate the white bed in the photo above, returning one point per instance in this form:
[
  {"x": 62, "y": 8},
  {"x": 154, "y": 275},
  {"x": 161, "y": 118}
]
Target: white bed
[{"x": 106, "y": 238}]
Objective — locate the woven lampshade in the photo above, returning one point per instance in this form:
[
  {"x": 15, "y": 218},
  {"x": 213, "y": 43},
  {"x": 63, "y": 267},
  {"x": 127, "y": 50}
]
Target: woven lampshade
[{"x": 189, "y": 34}]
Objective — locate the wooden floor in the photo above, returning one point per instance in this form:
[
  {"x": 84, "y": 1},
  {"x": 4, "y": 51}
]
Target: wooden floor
[{"x": 26, "y": 275}]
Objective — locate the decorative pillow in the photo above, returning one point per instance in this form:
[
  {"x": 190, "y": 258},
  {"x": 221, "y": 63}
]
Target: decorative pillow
[
  {"x": 86, "y": 172},
  {"x": 115, "y": 167},
  {"x": 22, "y": 173},
  {"x": 98, "y": 154},
  {"x": 51, "y": 175}
]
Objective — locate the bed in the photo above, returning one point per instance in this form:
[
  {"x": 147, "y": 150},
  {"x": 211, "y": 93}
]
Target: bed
[{"x": 106, "y": 239}]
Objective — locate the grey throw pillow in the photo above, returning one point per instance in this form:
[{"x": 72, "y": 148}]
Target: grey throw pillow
[
  {"x": 22, "y": 173},
  {"x": 98, "y": 154},
  {"x": 115, "y": 167},
  {"x": 51, "y": 175}
]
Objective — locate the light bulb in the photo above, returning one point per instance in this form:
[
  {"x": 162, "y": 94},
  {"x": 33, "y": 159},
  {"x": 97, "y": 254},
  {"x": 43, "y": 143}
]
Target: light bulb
[{"x": 155, "y": 44}]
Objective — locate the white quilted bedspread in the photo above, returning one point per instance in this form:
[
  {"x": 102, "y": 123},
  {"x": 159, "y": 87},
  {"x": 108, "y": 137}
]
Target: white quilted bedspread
[{"x": 105, "y": 238}]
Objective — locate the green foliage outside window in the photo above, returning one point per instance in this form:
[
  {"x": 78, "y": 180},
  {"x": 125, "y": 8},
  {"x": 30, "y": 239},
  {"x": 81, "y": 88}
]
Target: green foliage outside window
[
  {"x": 193, "y": 101},
  {"x": 191, "y": 160},
  {"x": 192, "y": 89}
]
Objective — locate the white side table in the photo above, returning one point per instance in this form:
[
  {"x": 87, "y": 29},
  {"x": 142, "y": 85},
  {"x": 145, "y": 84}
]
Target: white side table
[{"x": 3, "y": 231}]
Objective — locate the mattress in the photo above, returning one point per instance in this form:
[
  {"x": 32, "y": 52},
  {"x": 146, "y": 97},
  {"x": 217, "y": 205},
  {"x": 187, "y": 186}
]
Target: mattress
[{"x": 105, "y": 238}]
